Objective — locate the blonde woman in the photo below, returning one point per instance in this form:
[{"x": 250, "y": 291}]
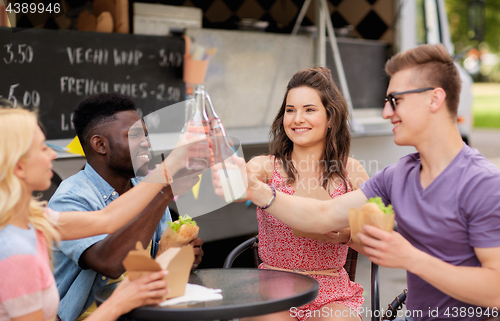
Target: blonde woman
[{"x": 28, "y": 229}]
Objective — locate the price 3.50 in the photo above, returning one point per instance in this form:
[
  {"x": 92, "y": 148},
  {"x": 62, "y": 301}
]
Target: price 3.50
[{"x": 24, "y": 53}]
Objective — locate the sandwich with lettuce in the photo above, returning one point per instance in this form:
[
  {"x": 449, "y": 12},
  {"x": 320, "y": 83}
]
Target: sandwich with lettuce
[
  {"x": 178, "y": 233},
  {"x": 375, "y": 213}
]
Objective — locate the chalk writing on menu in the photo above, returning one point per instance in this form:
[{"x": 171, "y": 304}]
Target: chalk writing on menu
[{"x": 52, "y": 71}]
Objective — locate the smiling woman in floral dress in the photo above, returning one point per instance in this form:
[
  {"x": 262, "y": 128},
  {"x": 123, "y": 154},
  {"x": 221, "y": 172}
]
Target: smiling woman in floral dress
[{"x": 310, "y": 142}]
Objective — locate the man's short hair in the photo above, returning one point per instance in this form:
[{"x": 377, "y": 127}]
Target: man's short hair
[
  {"x": 96, "y": 110},
  {"x": 435, "y": 69}
]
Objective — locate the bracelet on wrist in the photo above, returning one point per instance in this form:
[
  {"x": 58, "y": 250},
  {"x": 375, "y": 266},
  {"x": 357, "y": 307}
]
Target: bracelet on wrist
[
  {"x": 270, "y": 202},
  {"x": 350, "y": 238},
  {"x": 162, "y": 171},
  {"x": 167, "y": 180}
]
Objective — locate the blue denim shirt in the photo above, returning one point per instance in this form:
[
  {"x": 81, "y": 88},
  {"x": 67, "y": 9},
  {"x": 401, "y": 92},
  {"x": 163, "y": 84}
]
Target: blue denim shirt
[{"x": 84, "y": 191}]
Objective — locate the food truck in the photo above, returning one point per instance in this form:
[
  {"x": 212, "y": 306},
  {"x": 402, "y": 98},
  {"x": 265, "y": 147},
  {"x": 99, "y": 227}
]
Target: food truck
[{"x": 260, "y": 45}]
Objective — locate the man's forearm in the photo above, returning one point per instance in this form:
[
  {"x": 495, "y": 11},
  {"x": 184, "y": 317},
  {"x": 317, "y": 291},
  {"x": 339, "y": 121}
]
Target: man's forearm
[
  {"x": 473, "y": 285},
  {"x": 106, "y": 256}
]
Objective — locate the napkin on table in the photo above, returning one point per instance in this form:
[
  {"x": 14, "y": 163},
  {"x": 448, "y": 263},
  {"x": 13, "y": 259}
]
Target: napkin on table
[{"x": 195, "y": 293}]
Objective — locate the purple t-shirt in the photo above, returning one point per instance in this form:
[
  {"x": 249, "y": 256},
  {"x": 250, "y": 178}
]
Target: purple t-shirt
[{"x": 458, "y": 211}]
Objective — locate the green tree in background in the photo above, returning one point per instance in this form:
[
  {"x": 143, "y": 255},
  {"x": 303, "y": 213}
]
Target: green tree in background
[{"x": 457, "y": 15}]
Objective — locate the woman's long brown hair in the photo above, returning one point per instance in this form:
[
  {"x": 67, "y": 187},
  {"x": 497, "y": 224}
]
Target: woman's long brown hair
[{"x": 338, "y": 138}]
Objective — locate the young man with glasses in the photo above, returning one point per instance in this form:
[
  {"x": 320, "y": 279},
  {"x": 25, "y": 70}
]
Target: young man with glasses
[{"x": 446, "y": 197}]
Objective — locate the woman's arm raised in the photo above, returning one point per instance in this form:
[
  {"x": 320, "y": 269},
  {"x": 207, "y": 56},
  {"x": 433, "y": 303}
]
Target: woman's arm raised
[
  {"x": 322, "y": 216},
  {"x": 74, "y": 225}
]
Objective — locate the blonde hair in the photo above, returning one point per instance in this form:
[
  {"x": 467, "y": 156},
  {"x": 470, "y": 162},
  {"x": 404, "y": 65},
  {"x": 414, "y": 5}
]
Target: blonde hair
[{"x": 17, "y": 128}]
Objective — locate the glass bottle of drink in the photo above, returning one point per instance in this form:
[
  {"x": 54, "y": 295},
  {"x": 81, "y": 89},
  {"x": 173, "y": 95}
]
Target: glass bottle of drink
[
  {"x": 190, "y": 104},
  {"x": 198, "y": 125},
  {"x": 232, "y": 182}
]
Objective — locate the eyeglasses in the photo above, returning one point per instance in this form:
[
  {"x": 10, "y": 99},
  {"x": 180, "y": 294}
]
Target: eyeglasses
[{"x": 390, "y": 98}]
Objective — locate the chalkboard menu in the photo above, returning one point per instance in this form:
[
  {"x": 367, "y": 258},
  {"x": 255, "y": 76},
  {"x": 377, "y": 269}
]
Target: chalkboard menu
[{"x": 53, "y": 71}]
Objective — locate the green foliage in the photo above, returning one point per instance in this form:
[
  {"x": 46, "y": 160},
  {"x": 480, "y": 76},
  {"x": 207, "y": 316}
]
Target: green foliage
[
  {"x": 485, "y": 107},
  {"x": 492, "y": 35},
  {"x": 494, "y": 74},
  {"x": 457, "y": 16}
]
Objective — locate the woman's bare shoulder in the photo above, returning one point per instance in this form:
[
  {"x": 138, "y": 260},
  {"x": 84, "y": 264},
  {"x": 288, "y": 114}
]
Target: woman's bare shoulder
[
  {"x": 262, "y": 159},
  {"x": 357, "y": 173},
  {"x": 262, "y": 165}
]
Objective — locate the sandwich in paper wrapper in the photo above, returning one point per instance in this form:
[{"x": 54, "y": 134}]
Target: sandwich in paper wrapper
[
  {"x": 177, "y": 260},
  {"x": 178, "y": 233},
  {"x": 375, "y": 213},
  {"x": 173, "y": 255}
]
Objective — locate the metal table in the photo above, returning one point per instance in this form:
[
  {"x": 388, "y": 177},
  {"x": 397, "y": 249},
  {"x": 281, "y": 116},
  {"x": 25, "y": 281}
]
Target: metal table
[{"x": 246, "y": 292}]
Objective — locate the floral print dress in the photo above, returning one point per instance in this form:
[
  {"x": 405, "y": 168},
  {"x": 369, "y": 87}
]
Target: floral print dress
[{"x": 279, "y": 248}]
